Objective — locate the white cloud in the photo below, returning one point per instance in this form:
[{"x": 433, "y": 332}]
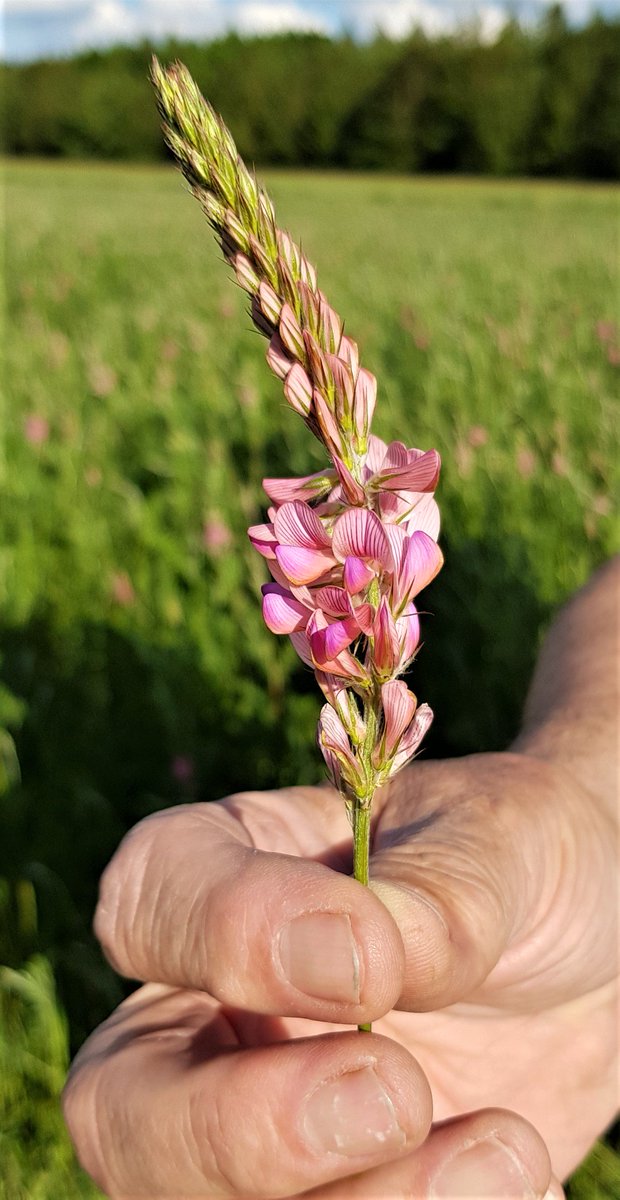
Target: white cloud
[
  {"x": 260, "y": 16},
  {"x": 45, "y": 7}
]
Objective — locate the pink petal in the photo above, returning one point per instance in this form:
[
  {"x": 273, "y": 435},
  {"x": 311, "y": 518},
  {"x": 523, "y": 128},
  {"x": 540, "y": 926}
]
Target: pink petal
[
  {"x": 360, "y": 534},
  {"x": 297, "y": 525},
  {"x": 395, "y": 535},
  {"x": 399, "y": 705},
  {"x": 352, "y": 490},
  {"x": 303, "y": 566},
  {"x": 349, "y": 353},
  {"x": 420, "y": 562},
  {"x": 345, "y": 665},
  {"x": 412, "y": 737},
  {"x": 306, "y": 487},
  {"x": 343, "y": 381},
  {"x": 326, "y": 644},
  {"x": 365, "y": 616},
  {"x": 327, "y": 423},
  {"x": 408, "y": 630},
  {"x": 281, "y": 611},
  {"x": 333, "y": 600},
  {"x": 263, "y": 539},
  {"x": 419, "y": 476},
  {"x": 423, "y": 516},
  {"x": 396, "y": 456},
  {"x": 377, "y": 450},
  {"x": 357, "y": 574},
  {"x": 386, "y": 650}
]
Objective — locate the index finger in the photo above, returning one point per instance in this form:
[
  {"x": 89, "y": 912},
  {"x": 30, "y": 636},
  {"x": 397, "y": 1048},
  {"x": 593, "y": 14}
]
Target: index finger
[{"x": 189, "y": 900}]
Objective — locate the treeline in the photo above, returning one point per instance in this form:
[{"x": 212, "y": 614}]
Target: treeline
[{"x": 543, "y": 101}]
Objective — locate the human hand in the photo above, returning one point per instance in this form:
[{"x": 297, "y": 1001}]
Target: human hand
[{"x": 492, "y": 878}]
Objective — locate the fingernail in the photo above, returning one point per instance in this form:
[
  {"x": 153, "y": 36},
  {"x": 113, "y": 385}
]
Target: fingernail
[
  {"x": 319, "y": 956},
  {"x": 487, "y": 1170},
  {"x": 352, "y": 1115}
]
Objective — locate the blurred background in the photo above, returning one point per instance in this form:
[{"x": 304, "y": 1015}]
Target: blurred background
[{"x": 450, "y": 170}]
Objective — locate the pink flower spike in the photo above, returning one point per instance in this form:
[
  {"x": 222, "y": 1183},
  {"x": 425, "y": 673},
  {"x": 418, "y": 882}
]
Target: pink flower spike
[
  {"x": 353, "y": 491},
  {"x": 298, "y": 390},
  {"x": 419, "y": 475},
  {"x": 399, "y": 706},
  {"x": 365, "y": 400},
  {"x": 358, "y": 533},
  {"x": 357, "y": 574},
  {"x": 281, "y": 611},
  {"x": 263, "y": 539},
  {"x": 421, "y": 560},
  {"x": 387, "y": 649},
  {"x": 277, "y": 357},
  {"x": 306, "y": 487}
]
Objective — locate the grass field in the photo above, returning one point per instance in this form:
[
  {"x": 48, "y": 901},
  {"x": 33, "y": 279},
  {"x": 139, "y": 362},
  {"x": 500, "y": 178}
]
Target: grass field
[{"x": 135, "y": 669}]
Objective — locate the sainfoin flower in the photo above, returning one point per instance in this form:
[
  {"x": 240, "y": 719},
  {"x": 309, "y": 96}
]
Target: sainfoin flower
[{"x": 351, "y": 547}]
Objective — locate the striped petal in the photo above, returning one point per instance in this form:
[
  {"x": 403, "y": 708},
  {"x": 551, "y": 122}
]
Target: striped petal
[
  {"x": 386, "y": 653},
  {"x": 420, "y": 561},
  {"x": 297, "y": 525},
  {"x": 281, "y": 611},
  {"x": 408, "y": 630},
  {"x": 306, "y": 487},
  {"x": 358, "y": 533},
  {"x": 352, "y": 490},
  {"x": 419, "y": 475},
  {"x": 399, "y": 705},
  {"x": 412, "y": 737},
  {"x": 326, "y": 644},
  {"x": 263, "y": 539}
]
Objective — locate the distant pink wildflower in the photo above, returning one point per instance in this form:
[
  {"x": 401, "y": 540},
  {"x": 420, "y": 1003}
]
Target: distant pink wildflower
[{"x": 36, "y": 429}]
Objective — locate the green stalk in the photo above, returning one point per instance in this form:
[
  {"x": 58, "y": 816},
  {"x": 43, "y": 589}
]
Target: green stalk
[
  {"x": 361, "y": 855},
  {"x": 362, "y": 806}
]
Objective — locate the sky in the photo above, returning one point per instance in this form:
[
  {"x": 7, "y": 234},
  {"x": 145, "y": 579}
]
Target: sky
[{"x": 39, "y": 28}]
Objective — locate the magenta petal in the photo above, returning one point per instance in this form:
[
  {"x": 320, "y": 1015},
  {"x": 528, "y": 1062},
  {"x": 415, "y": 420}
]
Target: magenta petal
[
  {"x": 327, "y": 644},
  {"x": 398, "y": 708},
  {"x": 357, "y": 574},
  {"x": 281, "y": 611},
  {"x": 345, "y": 666},
  {"x": 297, "y": 525},
  {"x": 303, "y": 566},
  {"x": 365, "y": 616},
  {"x": 263, "y": 539},
  {"x": 358, "y": 533}
]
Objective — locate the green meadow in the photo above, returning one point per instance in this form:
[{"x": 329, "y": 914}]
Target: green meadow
[{"x": 135, "y": 671}]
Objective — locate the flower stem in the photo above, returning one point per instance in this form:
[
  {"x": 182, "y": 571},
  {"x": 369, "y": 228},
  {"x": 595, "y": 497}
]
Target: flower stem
[{"x": 361, "y": 854}]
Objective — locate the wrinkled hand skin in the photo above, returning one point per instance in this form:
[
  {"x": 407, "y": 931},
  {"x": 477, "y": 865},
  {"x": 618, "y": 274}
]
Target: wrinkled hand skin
[{"x": 484, "y": 953}]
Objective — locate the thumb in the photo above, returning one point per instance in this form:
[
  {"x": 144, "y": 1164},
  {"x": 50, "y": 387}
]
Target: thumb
[{"x": 477, "y": 861}]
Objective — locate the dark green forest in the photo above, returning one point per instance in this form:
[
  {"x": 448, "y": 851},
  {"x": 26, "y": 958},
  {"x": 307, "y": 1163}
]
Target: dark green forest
[{"x": 541, "y": 101}]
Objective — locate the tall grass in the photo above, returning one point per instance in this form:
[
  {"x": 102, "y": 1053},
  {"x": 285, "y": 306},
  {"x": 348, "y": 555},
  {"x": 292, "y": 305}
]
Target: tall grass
[{"x": 135, "y": 668}]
